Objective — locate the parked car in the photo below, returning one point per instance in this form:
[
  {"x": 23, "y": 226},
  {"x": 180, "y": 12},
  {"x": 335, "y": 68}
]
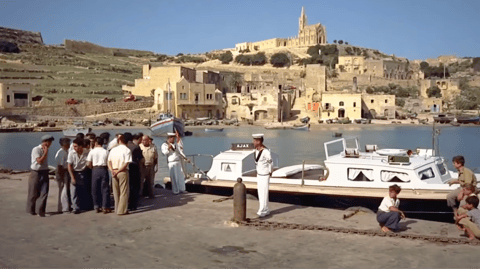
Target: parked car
[{"x": 71, "y": 101}]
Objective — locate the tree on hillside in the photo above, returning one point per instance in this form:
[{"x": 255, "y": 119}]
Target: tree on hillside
[
  {"x": 340, "y": 42},
  {"x": 259, "y": 59},
  {"x": 335, "y": 41},
  {"x": 346, "y": 43},
  {"x": 279, "y": 60},
  {"x": 434, "y": 91},
  {"x": 226, "y": 57},
  {"x": 424, "y": 65}
]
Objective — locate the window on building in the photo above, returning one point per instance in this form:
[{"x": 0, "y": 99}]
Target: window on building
[
  {"x": 234, "y": 101},
  {"x": 169, "y": 96},
  {"x": 8, "y": 98},
  {"x": 371, "y": 101},
  {"x": 354, "y": 104},
  {"x": 265, "y": 99},
  {"x": 209, "y": 96},
  {"x": 183, "y": 96},
  {"x": 341, "y": 103},
  {"x": 183, "y": 87},
  {"x": 386, "y": 101},
  {"x": 327, "y": 106}
]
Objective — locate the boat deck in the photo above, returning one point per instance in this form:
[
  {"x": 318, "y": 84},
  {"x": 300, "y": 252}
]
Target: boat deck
[{"x": 326, "y": 190}]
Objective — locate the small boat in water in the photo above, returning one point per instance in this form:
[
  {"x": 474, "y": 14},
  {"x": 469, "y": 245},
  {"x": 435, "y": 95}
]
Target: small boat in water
[
  {"x": 167, "y": 123},
  {"x": 467, "y": 120},
  {"x": 444, "y": 118},
  {"x": 305, "y": 127},
  {"x": 80, "y": 127},
  {"x": 213, "y": 129}
]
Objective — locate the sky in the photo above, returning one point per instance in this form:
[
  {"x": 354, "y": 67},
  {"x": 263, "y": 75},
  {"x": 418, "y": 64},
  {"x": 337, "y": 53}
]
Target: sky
[{"x": 415, "y": 29}]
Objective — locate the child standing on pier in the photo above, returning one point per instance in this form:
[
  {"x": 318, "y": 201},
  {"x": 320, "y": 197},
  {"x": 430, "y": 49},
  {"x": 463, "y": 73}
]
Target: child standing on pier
[
  {"x": 468, "y": 218},
  {"x": 388, "y": 214}
]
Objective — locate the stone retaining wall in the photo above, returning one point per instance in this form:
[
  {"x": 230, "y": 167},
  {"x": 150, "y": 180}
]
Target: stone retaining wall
[{"x": 79, "y": 110}]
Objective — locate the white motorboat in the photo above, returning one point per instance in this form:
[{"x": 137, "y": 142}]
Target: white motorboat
[
  {"x": 167, "y": 123},
  {"x": 349, "y": 172},
  {"x": 80, "y": 127}
]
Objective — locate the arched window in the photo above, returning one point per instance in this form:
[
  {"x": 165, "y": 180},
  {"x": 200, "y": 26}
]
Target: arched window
[
  {"x": 354, "y": 104},
  {"x": 341, "y": 103}
]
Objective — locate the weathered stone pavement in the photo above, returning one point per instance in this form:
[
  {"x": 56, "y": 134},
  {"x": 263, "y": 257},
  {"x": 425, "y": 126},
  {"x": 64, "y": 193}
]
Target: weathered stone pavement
[{"x": 189, "y": 230}]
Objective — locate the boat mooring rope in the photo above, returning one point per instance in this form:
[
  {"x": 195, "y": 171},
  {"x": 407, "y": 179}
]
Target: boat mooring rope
[{"x": 262, "y": 224}]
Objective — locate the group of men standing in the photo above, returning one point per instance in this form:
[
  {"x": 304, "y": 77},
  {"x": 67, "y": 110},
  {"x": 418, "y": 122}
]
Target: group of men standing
[{"x": 88, "y": 170}]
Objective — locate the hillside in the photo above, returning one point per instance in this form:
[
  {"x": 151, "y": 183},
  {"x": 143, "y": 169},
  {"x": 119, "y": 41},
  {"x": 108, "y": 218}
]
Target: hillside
[{"x": 59, "y": 74}]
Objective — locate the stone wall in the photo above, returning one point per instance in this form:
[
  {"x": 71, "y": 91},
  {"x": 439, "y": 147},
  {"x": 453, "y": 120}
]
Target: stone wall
[
  {"x": 79, "y": 110},
  {"x": 20, "y": 37}
]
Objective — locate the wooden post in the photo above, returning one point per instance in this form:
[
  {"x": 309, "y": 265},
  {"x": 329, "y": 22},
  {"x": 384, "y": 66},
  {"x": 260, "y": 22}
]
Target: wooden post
[{"x": 303, "y": 173}]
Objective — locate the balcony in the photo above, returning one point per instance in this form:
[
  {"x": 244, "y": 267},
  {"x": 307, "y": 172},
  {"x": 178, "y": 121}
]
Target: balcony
[{"x": 328, "y": 108}]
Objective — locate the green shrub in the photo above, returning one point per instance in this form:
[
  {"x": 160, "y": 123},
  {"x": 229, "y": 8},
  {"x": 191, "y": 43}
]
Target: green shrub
[
  {"x": 434, "y": 91},
  {"x": 279, "y": 60},
  {"x": 226, "y": 57}
]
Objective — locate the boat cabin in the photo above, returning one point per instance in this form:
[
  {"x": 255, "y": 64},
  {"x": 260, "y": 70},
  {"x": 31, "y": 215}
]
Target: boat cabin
[
  {"x": 381, "y": 168},
  {"x": 236, "y": 162}
]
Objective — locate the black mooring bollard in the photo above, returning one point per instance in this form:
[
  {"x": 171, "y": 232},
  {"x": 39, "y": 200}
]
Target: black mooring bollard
[{"x": 239, "y": 201}]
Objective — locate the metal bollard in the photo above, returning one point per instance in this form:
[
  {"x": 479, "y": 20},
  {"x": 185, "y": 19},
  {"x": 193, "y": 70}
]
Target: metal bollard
[{"x": 239, "y": 201}]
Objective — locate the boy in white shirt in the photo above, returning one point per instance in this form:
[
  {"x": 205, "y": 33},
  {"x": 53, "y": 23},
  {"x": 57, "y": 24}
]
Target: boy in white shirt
[{"x": 388, "y": 214}]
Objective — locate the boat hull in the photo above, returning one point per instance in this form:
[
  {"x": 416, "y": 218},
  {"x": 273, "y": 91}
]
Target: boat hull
[
  {"x": 161, "y": 128},
  {"x": 72, "y": 132}
]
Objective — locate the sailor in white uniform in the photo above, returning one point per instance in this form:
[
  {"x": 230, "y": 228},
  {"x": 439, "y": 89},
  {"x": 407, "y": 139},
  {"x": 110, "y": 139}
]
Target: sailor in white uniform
[
  {"x": 263, "y": 160},
  {"x": 174, "y": 152}
]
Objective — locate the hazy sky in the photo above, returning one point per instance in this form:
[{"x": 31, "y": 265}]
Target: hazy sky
[{"x": 416, "y": 29}]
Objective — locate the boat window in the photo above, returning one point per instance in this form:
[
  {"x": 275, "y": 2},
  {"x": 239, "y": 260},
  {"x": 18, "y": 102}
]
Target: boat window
[
  {"x": 356, "y": 174},
  {"x": 390, "y": 176},
  {"x": 228, "y": 167},
  {"x": 426, "y": 174},
  {"x": 441, "y": 168}
]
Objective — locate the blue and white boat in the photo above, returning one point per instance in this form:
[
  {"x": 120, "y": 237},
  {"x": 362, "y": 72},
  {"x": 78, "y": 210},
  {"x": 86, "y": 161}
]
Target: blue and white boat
[{"x": 167, "y": 123}]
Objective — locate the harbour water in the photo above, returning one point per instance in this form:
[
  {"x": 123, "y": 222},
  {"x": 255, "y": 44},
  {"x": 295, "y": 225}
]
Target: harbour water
[{"x": 292, "y": 146}]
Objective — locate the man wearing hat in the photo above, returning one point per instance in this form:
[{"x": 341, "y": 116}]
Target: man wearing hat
[
  {"x": 38, "y": 183},
  {"x": 174, "y": 152},
  {"x": 263, "y": 161}
]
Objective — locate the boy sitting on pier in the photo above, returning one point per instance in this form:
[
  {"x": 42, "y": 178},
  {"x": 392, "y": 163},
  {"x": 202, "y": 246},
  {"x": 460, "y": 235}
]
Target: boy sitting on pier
[
  {"x": 388, "y": 214},
  {"x": 468, "y": 218},
  {"x": 467, "y": 190}
]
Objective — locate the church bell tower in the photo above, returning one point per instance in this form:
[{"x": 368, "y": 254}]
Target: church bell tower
[{"x": 302, "y": 22}]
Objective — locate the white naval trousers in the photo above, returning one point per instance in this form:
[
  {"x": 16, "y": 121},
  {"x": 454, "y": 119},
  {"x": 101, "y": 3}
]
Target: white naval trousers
[
  {"x": 262, "y": 189},
  {"x": 176, "y": 177}
]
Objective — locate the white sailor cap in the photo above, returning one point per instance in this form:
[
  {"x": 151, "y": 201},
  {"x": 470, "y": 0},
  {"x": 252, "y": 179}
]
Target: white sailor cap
[
  {"x": 257, "y": 136},
  {"x": 171, "y": 134}
]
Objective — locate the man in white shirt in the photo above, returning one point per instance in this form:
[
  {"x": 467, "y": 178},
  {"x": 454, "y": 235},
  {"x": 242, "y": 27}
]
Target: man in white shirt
[
  {"x": 38, "y": 183},
  {"x": 97, "y": 160},
  {"x": 264, "y": 163},
  {"x": 118, "y": 160},
  {"x": 62, "y": 177},
  {"x": 77, "y": 162},
  {"x": 174, "y": 152},
  {"x": 388, "y": 214},
  {"x": 114, "y": 142}
]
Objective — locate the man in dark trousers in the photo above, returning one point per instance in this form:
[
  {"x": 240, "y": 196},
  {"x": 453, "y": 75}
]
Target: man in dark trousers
[
  {"x": 38, "y": 183},
  {"x": 134, "y": 172}
]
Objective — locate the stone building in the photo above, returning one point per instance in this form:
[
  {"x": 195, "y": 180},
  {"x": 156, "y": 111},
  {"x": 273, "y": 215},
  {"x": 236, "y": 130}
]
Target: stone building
[
  {"x": 188, "y": 98},
  {"x": 308, "y": 35},
  {"x": 259, "y": 106},
  {"x": 392, "y": 69},
  {"x": 354, "y": 105},
  {"x": 15, "y": 95},
  {"x": 450, "y": 87}
]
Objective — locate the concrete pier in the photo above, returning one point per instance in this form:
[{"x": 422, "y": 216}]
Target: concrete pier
[{"x": 190, "y": 230}]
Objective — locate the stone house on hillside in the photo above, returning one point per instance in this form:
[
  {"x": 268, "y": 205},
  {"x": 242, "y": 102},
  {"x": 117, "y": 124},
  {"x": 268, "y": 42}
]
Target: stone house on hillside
[{"x": 15, "y": 95}]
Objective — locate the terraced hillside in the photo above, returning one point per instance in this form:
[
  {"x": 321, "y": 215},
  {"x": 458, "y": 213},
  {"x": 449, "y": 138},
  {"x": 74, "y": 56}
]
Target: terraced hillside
[{"x": 59, "y": 74}]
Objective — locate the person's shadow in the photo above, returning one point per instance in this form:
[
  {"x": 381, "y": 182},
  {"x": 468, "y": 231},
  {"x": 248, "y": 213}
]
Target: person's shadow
[
  {"x": 164, "y": 198},
  {"x": 281, "y": 211},
  {"x": 403, "y": 225}
]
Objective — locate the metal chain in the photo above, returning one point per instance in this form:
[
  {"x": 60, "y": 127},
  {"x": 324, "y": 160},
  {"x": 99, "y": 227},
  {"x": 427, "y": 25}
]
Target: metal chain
[{"x": 261, "y": 224}]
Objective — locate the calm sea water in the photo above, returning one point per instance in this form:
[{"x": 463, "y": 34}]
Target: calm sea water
[{"x": 292, "y": 146}]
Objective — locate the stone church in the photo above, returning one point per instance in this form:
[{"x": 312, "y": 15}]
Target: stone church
[{"x": 308, "y": 35}]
